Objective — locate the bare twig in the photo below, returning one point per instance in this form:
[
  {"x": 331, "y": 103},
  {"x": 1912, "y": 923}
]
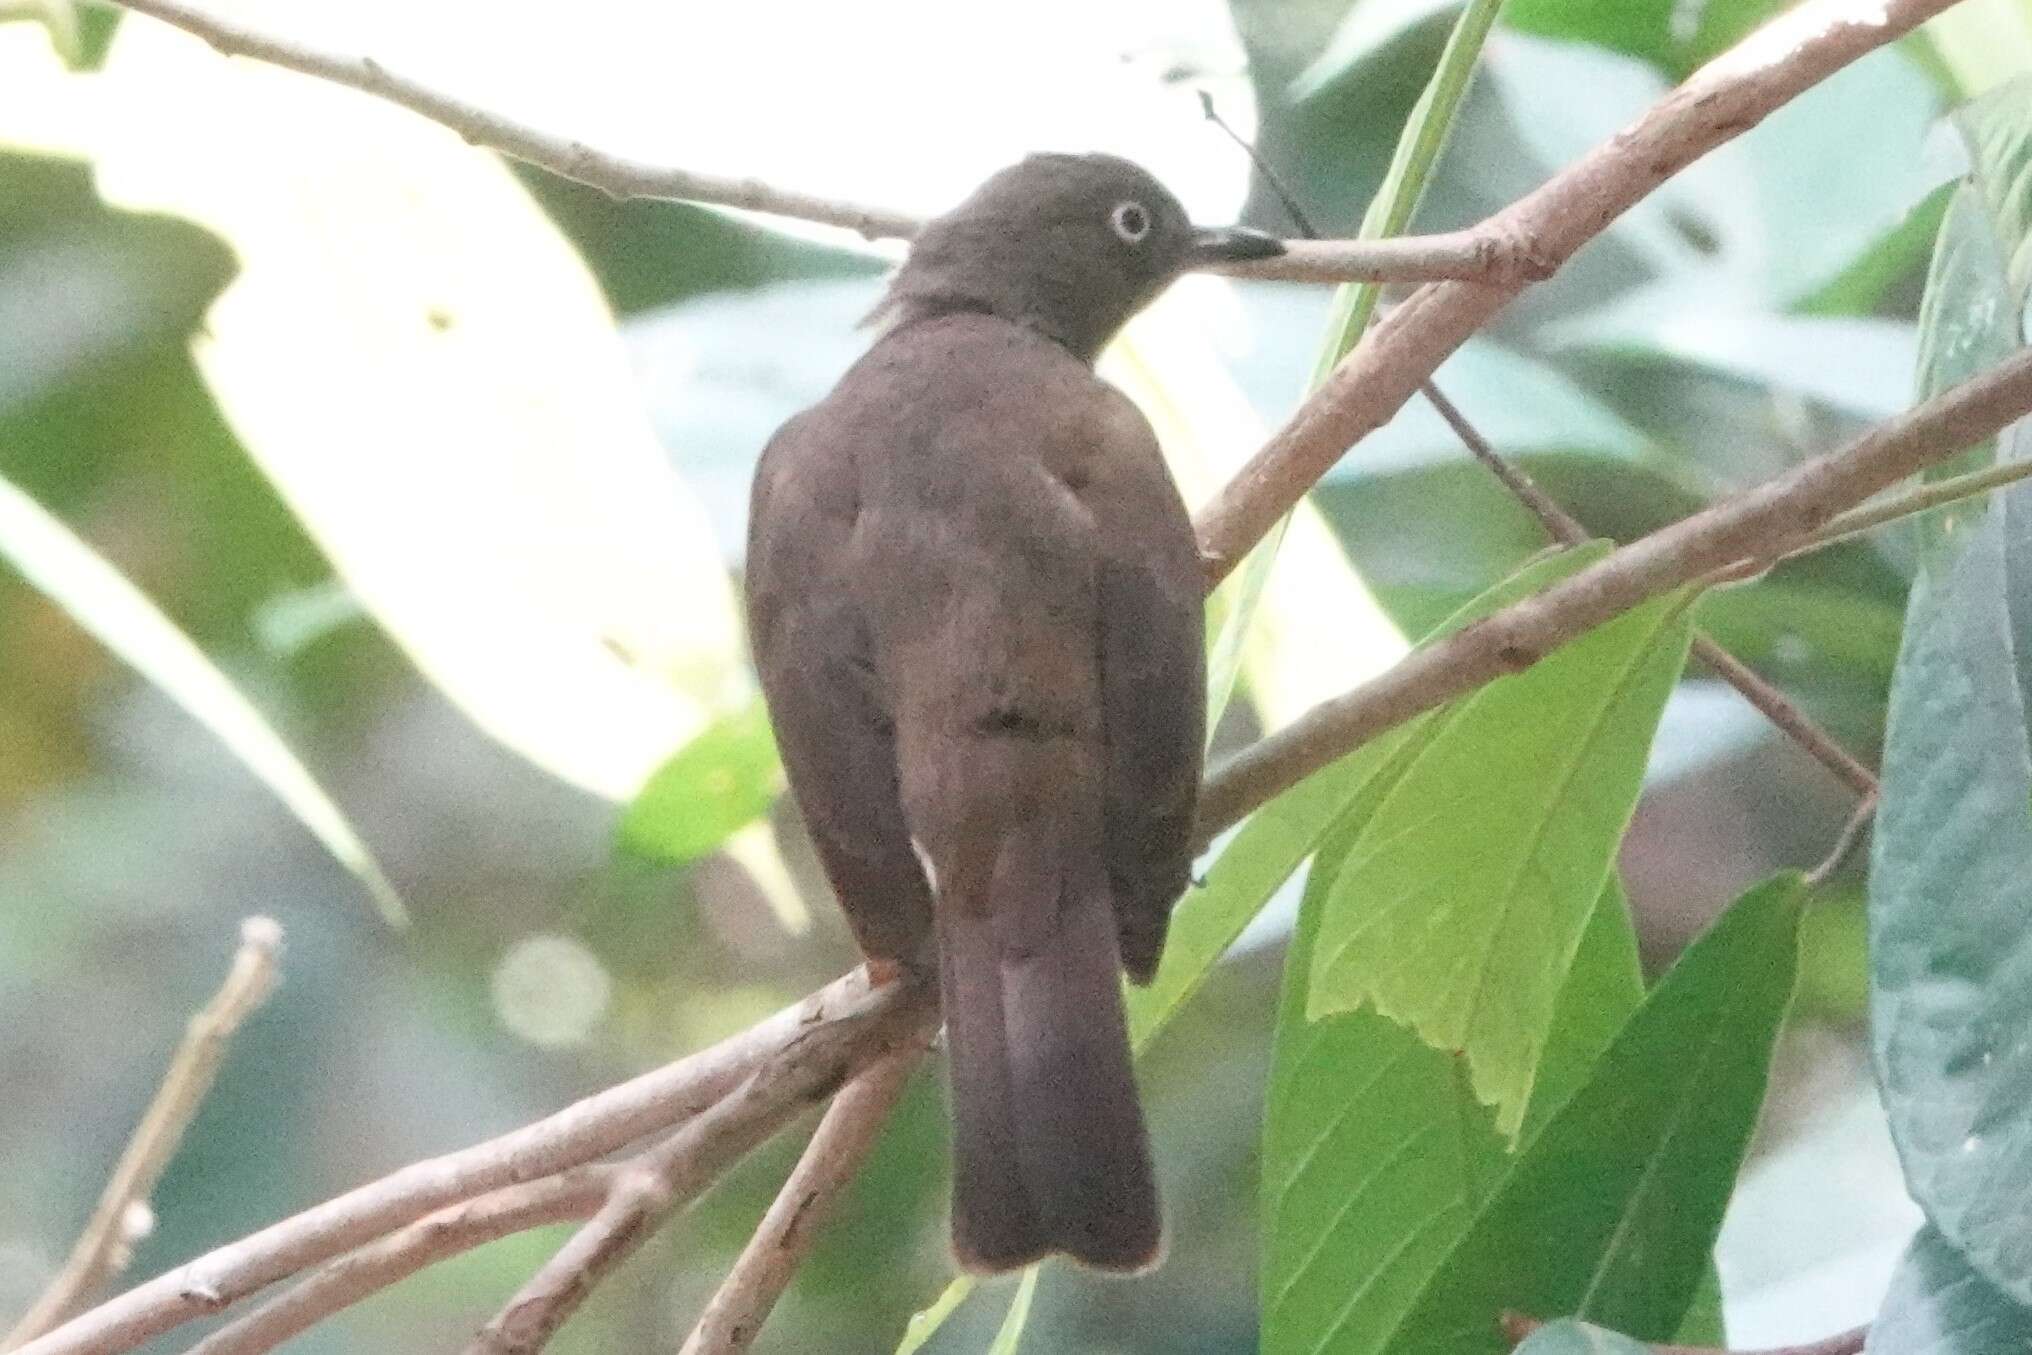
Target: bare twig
[
  {"x": 785, "y": 1236},
  {"x": 1756, "y": 523},
  {"x": 862, "y": 1023},
  {"x": 1562, "y": 526},
  {"x": 1851, "y": 837},
  {"x": 574, "y": 1194},
  {"x": 121, "y": 1216},
  {"x": 1457, "y": 254},
  {"x": 1516, "y": 1327},
  {"x": 655, "y": 1185},
  {"x": 1726, "y": 97}
]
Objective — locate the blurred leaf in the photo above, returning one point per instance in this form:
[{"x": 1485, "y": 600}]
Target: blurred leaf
[
  {"x": 1633, "y": 1173},
  {"x": 59, "y": 19},
  {"x": 459, "y": 430},
  {"x": 1668, "y": 33},
  {"x": 81, "y": 286},
  {"x": 649, "y": 253},
  {"x": 104, "y": 603},
  {"x": 724, "y": 778},
  {"x": 1939, "y": 1305},
  {"x": 1994, "y": 129},
  {"x": 1856, "y": 364},
  {"x": 1983, "y": 42},
  {"x": 1010, "y": 1338},
  {"x": 1568, "y": 1337},
  {"x": 1524, "y": 797}
]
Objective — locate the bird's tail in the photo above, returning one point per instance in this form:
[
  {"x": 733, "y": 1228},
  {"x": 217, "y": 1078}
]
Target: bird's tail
[{"x": 1049, "y": 1149}]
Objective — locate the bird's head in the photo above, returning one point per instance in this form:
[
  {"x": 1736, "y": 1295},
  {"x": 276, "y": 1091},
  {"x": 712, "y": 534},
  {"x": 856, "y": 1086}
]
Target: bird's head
[{"x": 1069, "y": 245}]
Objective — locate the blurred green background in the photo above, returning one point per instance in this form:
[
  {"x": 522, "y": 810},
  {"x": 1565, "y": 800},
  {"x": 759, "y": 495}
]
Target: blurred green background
[{"x": 1756, "y": 310}]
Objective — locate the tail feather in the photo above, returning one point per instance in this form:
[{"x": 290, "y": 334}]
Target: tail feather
[{"x": 1049, "y": 1149}]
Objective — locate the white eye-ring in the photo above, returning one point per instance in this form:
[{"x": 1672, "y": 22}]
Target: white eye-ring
[{"x": 1131, "y": 221}]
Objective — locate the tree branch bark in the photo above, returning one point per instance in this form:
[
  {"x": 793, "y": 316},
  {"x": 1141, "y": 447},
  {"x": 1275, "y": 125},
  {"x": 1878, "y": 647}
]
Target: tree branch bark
[
  {"x": 845, "y": 1017},
  {"x": 1457, "y": 254},
  {"x": 1724, "y": 98},
  {"x": 734, "y": 1318},
  {"x": 1759, "y": 522},
  {"x": 654, "y": 1186}
]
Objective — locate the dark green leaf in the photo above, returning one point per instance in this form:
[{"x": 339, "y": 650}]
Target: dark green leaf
[
  {"x": 1463, "y": 900},
  {"x": 1950, "y": 939},
  {"x": 1632, "y": 1174},
  {"x": 1939, "y": 1305},
  {"x": 722, "y": 780}
]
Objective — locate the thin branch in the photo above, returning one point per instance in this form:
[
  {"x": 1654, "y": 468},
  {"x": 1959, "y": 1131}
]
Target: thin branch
[
  {"x": 843, "y": 1017},
  {"x": 574, "y": 1194},
  {"x": 121, "y": 1217},
  {"x": 731, "y": 1322},
  {"x": 652, "y": 1187},
  {"x": 1562, "y": 526},
  {"x": 1758, "y": 522},
  {"x": 1517, "y": 1327},
  {"x": 1851, "y": 837},
  {"x": 1724, "y": 98},
  {"x": 1457, "y": 254}
]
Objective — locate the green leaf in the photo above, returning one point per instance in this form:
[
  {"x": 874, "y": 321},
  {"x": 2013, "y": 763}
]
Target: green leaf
[
  {"x": 1603, "y": 986},
  {"x": 1349, "y": 1250},
  {"x": 1632, "y": 1174},
  {"x": 1375, "y": 1152},
  {"x": 1010, "y": 1337},
  {"x": 1464, "y": 898},
  {"x": 723, "y": 779},
  {"x": 1939, "y": 1305},
  {"x": 1278, "y": 837},
  {"x": 101, "y": 600},
  {"x": 1375, "y": 1156},
  {"x": 1567, "y": 1337}
]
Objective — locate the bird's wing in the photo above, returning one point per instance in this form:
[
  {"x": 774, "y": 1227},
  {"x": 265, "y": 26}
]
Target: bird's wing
[
  {"x": 1153, "y": 684},
  {"x": 832, "y": 728}
]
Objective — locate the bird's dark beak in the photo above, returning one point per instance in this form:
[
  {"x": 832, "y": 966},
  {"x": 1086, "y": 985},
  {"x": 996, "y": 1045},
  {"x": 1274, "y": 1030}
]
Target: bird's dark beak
[{"x": 1230, "y": 244}]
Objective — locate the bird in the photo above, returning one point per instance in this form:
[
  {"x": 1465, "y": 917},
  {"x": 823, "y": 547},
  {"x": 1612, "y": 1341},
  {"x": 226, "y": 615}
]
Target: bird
[{"x": 975, "y": 604}]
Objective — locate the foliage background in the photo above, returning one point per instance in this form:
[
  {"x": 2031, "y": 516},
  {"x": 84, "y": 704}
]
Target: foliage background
[{"x": 1757, "y": 310}]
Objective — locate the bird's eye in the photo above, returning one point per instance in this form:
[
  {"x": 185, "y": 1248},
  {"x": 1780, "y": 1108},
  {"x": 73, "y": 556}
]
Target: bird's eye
[{"x": 1131, "y": 221}]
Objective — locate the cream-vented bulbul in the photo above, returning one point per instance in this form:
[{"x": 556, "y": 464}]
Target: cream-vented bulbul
[{"x": 975, "y": 603}]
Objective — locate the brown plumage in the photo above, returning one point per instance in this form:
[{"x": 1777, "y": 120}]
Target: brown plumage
[{"x": 974, "y": 599}]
